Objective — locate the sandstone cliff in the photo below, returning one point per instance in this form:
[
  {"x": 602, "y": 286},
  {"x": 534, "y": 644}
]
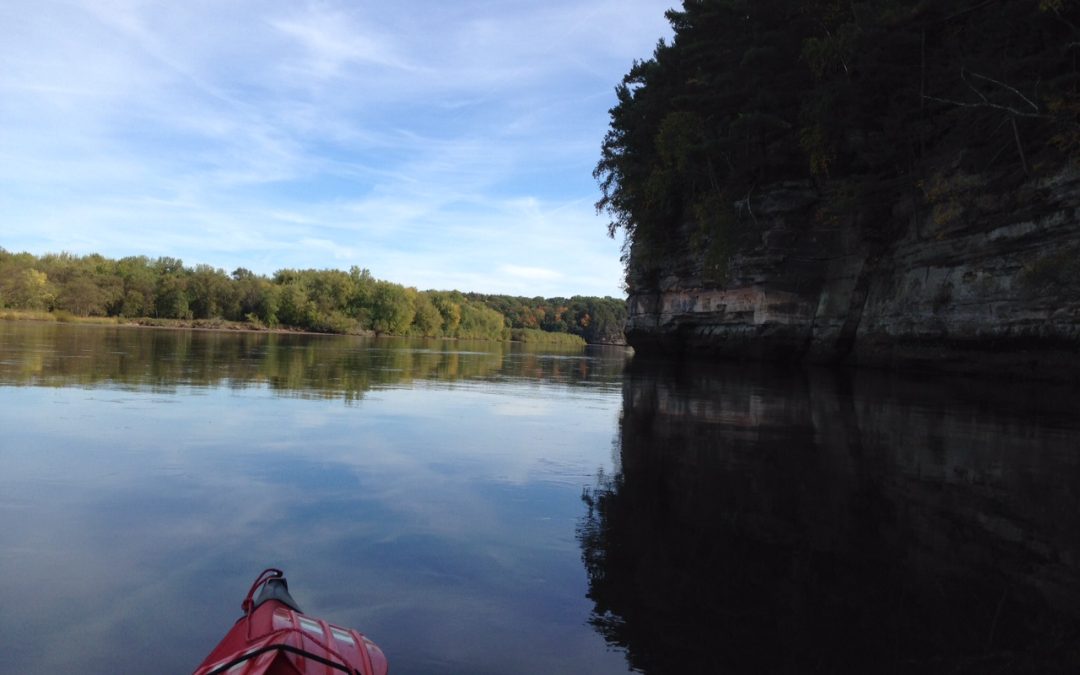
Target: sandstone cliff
[{"x": 960, "y": 274}]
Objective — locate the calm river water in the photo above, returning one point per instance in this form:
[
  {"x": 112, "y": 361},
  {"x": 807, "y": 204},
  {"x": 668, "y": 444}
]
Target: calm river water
[{"x": 489, "y": 508}]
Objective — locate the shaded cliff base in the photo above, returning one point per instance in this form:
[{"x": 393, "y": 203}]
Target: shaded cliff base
[{"x": 1020, "y": 357}]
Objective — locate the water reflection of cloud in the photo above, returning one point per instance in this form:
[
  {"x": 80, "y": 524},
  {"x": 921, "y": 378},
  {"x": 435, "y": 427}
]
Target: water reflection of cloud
[
  {"x": 522, "y": 409},
  {"x": 418, "y": 516}
]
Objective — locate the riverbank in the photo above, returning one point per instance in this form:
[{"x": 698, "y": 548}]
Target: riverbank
[
  {"x": 530, "y": 336},
  {"x": 148, "y": 322}
]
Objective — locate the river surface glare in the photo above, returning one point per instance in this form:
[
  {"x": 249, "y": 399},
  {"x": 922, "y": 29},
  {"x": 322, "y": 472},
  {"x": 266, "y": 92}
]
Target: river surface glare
[{"x": 487, "y": 508}]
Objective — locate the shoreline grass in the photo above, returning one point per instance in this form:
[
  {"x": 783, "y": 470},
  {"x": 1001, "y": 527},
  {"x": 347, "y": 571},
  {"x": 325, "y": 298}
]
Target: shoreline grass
[{"x": 541, "y": 337}]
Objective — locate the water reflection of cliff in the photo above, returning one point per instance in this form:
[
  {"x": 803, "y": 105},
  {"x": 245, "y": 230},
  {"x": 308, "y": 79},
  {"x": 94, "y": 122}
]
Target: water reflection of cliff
[
  {"x": 810, "y": 522},
  {"x": 300, "y": 365}
]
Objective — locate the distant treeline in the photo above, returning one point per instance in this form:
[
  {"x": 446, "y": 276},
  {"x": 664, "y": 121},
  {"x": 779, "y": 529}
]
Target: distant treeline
[
  {"x": 594, "y": 319},
  {"x": 326, "y": 301}
]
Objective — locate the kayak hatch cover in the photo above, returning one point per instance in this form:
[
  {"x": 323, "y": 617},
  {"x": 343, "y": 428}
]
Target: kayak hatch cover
[{"x": 274, "y": 637}]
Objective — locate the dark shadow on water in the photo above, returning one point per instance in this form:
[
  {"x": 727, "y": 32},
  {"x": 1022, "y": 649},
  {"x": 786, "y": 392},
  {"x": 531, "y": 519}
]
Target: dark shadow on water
[{"x": 822, "y": 522}]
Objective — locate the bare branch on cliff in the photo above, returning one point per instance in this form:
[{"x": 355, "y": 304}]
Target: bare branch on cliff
[
  {"x": 985, "y": 102},
  {"x": 963, "y": 12},
  {"x": 1019, "y": 147},
  {"x": 746, "y": 202},
  {"x": 1000, "y": 84},
  {"x": 995, "y": 106},
  {"x": 1068, "y": 23}
]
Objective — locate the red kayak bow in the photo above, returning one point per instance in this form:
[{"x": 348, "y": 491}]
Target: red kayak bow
[{"x": 274, "y": 637}]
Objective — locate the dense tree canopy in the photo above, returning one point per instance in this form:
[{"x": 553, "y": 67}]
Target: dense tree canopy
[
  {"x": 865, "y": 97},
  {"x": 331, "y": 301},
  {"x": 594, "y": 319}
]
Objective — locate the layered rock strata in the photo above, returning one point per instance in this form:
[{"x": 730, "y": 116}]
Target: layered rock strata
[{"x": 954, "y": 276}]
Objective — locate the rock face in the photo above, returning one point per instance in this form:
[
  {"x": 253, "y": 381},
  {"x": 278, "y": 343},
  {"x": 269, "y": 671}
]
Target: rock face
[{"x": 959, "y": 275}]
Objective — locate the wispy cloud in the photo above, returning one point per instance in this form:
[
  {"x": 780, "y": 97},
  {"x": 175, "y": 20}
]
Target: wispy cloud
[
  {"x": 332, "y": 41},
  {"x": 530, "y": 273},
  {"x": 439, "y": 144}
]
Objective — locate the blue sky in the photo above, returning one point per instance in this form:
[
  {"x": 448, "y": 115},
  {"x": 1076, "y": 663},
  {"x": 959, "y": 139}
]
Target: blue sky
[{"x": 438, "y": 144}]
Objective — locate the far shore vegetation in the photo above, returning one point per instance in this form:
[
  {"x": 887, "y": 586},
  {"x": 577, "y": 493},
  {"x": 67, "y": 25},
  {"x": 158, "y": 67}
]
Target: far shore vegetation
[{"x": 164, "y": 292}]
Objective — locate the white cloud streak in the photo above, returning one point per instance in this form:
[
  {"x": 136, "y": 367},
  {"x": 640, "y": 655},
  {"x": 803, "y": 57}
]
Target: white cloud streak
[{"x": 439, "y": 144}]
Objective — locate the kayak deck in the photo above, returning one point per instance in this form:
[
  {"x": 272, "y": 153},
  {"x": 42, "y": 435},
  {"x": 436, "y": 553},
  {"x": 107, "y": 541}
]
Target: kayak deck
[{"x": 274, "y": 637}]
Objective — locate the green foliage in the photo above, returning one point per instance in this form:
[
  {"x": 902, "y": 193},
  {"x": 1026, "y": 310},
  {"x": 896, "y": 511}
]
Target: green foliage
[
  {"x": 257, "y": 299},
  {"x": 427, "y": 321},
  {"x": 164, "y": 291},
  {"x": 541, "y": 337},
  {"x": 714, "y": 216},
  {"x": 137, "y": 284},
  {"x": 865, "y": 97},
  {"x": 593, "y": 319},
  {"x": 393, "y": 308},
  {"x": 449, "y": 309},
  {"x": 713, "y": 112},
  {"x": 28, "y": 289},
  {"x": 295, "y": 308},
  {"x": 171, "y": 290},
  {"x": 479, "y": 321},
  {"x": 212, "y": 293},
  {"x": 81, "y": 296}
]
